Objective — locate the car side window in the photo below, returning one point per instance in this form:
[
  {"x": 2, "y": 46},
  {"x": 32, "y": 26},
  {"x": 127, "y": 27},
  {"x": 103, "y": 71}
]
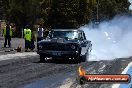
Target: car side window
[
  {"x": 84, "y": 36},
  {"x": 81, "y": 37},
  {"x": 50, "y": 34}
]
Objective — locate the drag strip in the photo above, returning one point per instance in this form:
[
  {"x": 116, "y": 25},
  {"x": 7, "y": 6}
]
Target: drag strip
[
  {"x": 23, "y": 70},
  {"x": 69, "y": 80},
  {"x": 20, "y": 69}
]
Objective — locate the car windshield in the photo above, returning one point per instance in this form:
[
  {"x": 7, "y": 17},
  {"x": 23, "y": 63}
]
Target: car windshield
[{"x": 66, "y": 34}]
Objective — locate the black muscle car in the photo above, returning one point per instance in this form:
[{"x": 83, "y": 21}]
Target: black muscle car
[{"x": 65, "y": 43}]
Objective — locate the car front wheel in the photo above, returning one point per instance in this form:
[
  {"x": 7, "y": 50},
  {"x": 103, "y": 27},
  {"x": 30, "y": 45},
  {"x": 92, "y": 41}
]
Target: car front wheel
[{"x": 42, "y": 58}]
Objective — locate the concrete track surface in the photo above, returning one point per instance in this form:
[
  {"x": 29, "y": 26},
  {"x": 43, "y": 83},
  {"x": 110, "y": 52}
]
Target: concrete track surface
[
  {"x": 27, "y": 72},
  {"x": 23, "y": 70}
]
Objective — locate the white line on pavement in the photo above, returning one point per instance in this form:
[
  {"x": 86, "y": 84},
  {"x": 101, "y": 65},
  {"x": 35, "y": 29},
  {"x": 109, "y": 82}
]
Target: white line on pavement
[
  {"x": 12, "y": 56},
  {"x": 124, "y": 72}
]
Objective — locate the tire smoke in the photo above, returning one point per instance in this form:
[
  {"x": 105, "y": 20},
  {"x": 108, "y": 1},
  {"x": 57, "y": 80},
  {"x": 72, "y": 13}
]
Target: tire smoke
[{"x": 110, "y": 40}]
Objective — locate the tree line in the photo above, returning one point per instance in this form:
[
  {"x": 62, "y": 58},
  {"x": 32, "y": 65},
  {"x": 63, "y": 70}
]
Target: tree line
[{"x": 60, "y": 13}]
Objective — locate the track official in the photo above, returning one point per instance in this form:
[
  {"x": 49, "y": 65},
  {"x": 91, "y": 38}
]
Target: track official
[
  {"x": 7, "y": 32},
  {"x": 27, "y": 37}
]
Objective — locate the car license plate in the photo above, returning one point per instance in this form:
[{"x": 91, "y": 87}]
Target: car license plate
[{"x": 57, "y": 53}]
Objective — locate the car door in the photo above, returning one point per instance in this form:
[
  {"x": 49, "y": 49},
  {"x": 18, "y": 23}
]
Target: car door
[{"x": 84, "y": 43}]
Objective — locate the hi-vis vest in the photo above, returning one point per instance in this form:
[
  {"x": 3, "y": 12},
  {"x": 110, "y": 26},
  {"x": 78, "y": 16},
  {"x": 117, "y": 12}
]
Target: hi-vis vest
[
  {"x": 4, "y": 31},
  {"x": 27, "y": 34}
]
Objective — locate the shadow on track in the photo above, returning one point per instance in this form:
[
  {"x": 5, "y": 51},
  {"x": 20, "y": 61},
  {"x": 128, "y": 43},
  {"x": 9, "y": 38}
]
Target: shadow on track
[{"x": 59, "y": 61}]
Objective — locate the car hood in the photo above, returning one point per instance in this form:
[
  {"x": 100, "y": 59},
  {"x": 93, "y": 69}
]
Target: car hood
[{"x": 59, "y": 40}]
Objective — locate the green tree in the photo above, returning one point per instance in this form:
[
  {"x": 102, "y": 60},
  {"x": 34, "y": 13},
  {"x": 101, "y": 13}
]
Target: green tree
[{"x": 60, "y": 13}]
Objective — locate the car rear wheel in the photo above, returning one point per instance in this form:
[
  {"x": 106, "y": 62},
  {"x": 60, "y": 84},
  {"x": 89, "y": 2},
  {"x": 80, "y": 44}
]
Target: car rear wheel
[
  {"x": 86, "y": 56},
  {"x": 42, "y": 58}
]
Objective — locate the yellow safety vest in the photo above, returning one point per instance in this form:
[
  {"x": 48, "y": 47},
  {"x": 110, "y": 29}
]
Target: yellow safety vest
[
  {"x": 4, "y": 31},
  {"x": 27, "y": 34}
]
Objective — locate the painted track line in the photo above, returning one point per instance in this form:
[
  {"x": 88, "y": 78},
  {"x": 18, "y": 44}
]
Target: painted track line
[
  {"x": 126, "y": 70},
  {"x": 14, "y": 56}
]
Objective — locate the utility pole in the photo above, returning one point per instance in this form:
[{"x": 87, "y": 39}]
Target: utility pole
[{"x": 97, "y": 19}]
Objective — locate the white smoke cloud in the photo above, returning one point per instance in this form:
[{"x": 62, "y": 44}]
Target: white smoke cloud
[
  {"x": 111, "y": 39},
  {"x": 130, "y": 7}
]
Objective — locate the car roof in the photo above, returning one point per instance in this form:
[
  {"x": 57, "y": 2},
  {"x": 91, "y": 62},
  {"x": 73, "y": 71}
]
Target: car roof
[{"x": 67, "y": 30}]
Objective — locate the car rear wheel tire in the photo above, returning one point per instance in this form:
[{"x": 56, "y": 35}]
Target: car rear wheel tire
[
  {"x": 42, "y": 58},
  {"x": 85, "y": 57}
]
